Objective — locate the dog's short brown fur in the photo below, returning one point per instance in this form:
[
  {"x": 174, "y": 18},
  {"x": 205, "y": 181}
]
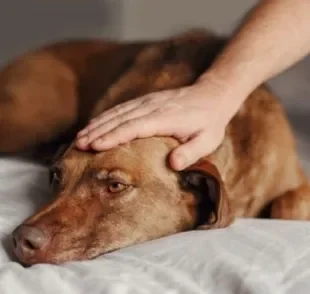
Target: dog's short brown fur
[{"x": 128, "y": 194}]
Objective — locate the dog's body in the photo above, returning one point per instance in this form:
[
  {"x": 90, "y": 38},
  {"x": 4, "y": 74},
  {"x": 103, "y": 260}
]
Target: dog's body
[{"x": 54, "y": 91}]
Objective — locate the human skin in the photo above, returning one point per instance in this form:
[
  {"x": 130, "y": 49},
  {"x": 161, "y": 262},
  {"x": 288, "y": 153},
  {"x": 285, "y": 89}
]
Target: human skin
[{"x": 273, "y": 37}]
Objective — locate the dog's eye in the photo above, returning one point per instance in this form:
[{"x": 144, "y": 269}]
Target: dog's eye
[{"x": 116, "y": 187}]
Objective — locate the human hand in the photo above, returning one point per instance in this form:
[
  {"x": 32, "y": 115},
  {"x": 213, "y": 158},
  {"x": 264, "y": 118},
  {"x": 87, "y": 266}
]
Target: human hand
[{"x": 195, "y": 115}]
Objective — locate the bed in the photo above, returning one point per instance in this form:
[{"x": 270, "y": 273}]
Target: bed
[{"x": 252, "y": 256}]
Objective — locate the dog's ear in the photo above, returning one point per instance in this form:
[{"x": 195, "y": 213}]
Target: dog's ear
[{"x": 204, "y": 181}]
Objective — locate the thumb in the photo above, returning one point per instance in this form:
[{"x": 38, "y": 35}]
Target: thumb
[{"x": 191, "y": 151}]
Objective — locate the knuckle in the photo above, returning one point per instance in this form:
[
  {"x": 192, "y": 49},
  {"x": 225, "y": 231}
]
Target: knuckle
[
  {"x": 152, "y": 100},
  {"x": 120, "y": 119},
  {"x": 118, "y": 109},
  {"x": 159, "y": 110},
  {"x": 132, "y": 123},
  {"x": 125, "y": 126},
  {"x": 147, "y": 102},
  {"x": 173, "y": 106}
]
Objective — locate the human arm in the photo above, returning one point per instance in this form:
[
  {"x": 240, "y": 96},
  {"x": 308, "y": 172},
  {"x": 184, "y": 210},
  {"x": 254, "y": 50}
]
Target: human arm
[{"x": 274, "y": 36}]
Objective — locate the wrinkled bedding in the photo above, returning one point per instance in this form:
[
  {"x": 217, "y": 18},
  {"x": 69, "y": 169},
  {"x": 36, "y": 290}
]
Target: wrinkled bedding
[{"x": 252, "y": 256}]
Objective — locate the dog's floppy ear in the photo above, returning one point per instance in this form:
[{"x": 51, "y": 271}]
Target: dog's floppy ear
[{"x": 204, "y": 181}]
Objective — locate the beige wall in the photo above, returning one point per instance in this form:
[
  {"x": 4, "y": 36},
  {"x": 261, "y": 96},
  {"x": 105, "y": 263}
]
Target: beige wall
[
  {"x": 29, "y": 23},
  {"x": 26, "y": 24},
  {"x": 157, "y": 18}
]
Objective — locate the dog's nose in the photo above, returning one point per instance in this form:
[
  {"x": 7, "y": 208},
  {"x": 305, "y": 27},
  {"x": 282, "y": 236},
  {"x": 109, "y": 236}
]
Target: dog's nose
[{"x": 27, "y": 240}]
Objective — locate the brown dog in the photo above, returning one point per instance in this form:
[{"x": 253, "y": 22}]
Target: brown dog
[{"x": 108, "y": 200}]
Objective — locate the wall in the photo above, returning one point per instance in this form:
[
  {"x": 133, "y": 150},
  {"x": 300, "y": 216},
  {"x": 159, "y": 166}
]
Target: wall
[
  {"x": 154, "y": 19},
  {"x": 25, "y": 24}
]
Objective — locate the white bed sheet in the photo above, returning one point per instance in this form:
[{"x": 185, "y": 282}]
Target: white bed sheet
[{"x": 252, "y": 256}]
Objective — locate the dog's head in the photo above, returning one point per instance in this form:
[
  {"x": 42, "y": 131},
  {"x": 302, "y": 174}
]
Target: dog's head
[{"x": 123, "y": 196}]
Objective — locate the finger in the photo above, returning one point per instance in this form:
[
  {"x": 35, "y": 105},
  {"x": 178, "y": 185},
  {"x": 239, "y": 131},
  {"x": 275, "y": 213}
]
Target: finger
[
  {"x": 141, "y": 127},
  {"x": 107, "y": 115},
  {"x": 110, "y": 114},
  {"x": 118, "y": 110},
  {"x": 190, "y": 152},
  {"x": 81, "y": 145},
  {"x": 146, "y": 123},
  {"x": 104, "y": 128}
]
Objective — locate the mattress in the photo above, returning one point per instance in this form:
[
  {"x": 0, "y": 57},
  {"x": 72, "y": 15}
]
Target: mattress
[{"x": 250, "y": 257}]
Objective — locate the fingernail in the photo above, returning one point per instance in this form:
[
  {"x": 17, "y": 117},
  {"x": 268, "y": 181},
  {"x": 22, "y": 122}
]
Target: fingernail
[
  {"x": 83, "y": 140},
  {"x": 97, "y": 144},
  {"x": 180, "y": 162},
  {"x": 81, "y": 133},
  {"x": 102, "y": 144}
]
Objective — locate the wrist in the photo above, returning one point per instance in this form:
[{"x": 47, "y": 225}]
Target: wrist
[
  {"x": 229, "y": 81},
  {"x": 227, "y": 93}
]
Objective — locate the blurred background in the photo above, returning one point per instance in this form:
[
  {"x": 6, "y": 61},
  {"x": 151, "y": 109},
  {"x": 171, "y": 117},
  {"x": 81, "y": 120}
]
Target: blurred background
[{"x": 27, "y": 24}]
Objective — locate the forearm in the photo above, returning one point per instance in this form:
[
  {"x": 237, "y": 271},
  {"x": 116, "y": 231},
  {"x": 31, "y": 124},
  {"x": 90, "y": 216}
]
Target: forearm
[{"x": 275, "y": 35}]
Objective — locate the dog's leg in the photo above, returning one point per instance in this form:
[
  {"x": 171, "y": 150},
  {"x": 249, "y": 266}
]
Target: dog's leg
[
  {"x": 30, "y": 125},
  {"x": 38, "y": 103},
  {"x": 294, "y": 204}
]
